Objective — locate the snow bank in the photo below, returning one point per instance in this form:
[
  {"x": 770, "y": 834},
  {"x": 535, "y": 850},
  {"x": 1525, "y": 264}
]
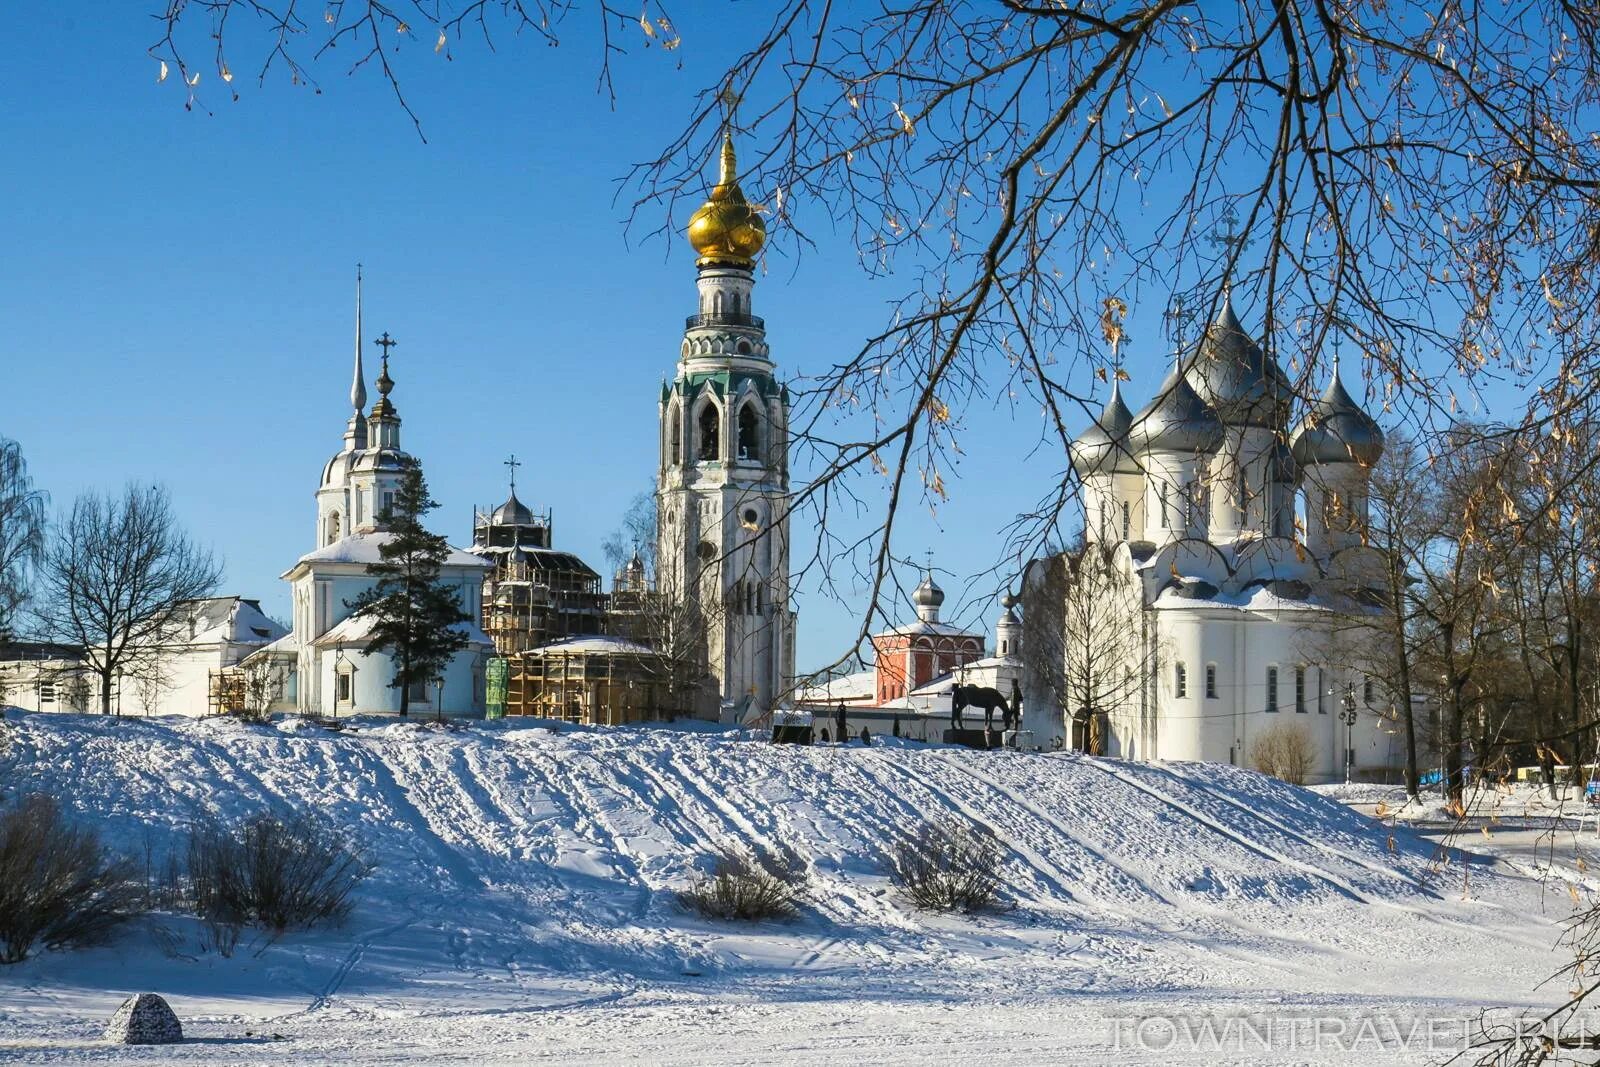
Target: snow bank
[{"x": 522, "y": 868}]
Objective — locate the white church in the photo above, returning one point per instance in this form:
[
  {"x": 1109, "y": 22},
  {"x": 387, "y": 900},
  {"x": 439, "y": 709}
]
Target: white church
[
  {"x": 1221, "y": 623},
  {"x": 323, "y": 665}
]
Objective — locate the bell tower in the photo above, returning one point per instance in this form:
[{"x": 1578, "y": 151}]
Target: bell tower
[{"x": 722, "y": 494}]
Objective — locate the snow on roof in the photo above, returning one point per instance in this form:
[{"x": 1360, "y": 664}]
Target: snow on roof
[
  {"x": 1255, "y": 598},
  {"x": 858, "y": 686},
  {"x": 286, "y": 643},
  {"x": 596, "y": 643},
  {"x": 228, "y": 620},
  {"x": 932, "y": 629},
  {"x": 362, "y": 548},
  {"x": 356, "y": 629}
]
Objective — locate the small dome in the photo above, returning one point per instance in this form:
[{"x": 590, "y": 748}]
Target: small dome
[
  {"x": 1244, "y": 385},
  {"x": 1103, "y": 447},
  {"x": 727, "y": 229},
  {"x": 1336, "y": 430},
  {"x": 928, "y": 594},
  {"x": 1177, "y": 420},
  {"x": 512, "y": 513}
]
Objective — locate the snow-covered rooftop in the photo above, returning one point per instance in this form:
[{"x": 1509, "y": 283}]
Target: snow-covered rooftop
[
  {"x": 595, "y": 644},
  {"x": 363, "y": 549},
  {"x": 227, "y": 620},
  {"x": 356, "y": 629},
  {"x": 859, "y": 686}
]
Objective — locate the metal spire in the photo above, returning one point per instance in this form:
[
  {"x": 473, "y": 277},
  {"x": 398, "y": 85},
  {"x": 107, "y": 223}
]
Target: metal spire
[{"x": 358, "y": 385}]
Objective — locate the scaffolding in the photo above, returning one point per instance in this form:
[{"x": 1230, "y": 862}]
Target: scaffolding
[
  {"x": 533, "y": 594},
  {"x": 593, "y": 681}
]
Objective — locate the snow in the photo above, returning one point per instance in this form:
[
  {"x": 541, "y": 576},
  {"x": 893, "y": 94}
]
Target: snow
[
  {"x": 231, "y": 620},
  {"x": 597, "y": 643},
  {"x": 356, "y": 629},
  {"x": 363, "y": 549},
  {"x": 862, "y": 685},
  {"x": 523, "y": 908}
]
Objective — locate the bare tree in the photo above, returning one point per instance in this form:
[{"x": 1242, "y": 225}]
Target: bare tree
[
  {"x": 118, "y": 576},
  {"x": 1088, "y": 657},
  {"x": 675, "y": 629},
  {"x": 1285, "y": 751},
  {"x": 1398, "y": 507},
  {"x": 1458, "y": 622},
  {"x": 22, "y": 532},
  {"x": 636, "y": 536}
]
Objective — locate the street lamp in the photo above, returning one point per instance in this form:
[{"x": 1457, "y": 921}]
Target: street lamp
[{"x": 1348, "y": 717}]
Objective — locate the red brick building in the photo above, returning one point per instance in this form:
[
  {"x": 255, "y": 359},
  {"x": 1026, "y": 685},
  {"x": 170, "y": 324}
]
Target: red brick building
[{"x": 911, "y": 656}]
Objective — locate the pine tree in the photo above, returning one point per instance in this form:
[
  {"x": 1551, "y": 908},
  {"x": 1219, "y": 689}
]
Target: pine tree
[{"x": 413, "y": 614}]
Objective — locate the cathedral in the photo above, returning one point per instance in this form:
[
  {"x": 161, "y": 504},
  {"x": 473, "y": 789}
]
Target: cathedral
[
  {"x": 1194, "y": 619},
  {"x": 722, "y": 491}
]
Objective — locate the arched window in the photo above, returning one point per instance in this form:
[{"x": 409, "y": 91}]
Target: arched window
[
  {"x": 1180, "y": 680},
  {"x": 333, "y": 527},
  {"x": 710, "y": 447},
  {"x": 1272, "y": 688},
  {"x": 676, "y": 436},
  {"x": 1127, "y": 520},
  {"x": 749, "y": 433}
]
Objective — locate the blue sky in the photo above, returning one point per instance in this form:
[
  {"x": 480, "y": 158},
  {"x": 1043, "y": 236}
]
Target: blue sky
[{"x": 177, "y": 302}]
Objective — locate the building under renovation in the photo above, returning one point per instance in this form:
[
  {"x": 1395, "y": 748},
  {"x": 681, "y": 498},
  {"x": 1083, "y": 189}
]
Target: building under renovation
[{"x": 568, "y": 654}]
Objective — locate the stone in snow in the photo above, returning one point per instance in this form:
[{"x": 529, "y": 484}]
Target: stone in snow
[{"x": 145, "y": 1019}]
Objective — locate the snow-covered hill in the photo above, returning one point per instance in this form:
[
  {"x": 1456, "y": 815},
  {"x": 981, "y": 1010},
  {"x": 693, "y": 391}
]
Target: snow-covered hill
[{"x": 524, "y": 902}]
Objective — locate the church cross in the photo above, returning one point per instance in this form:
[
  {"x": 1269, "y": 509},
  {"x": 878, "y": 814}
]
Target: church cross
[
  {"x": 1229, "y": 237},
  {"x": 512, "y": 464},
  {"x": 1177, "y": 316},
  {"x": 386, "y": 342}
]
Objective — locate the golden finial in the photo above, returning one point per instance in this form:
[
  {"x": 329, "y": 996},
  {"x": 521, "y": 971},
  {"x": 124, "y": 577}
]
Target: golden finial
[
  {"x": 726, "y": 229},
  {"x": 729, "y": 173}
]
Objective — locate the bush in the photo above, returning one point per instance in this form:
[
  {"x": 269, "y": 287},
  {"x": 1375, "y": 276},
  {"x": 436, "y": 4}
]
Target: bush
[
  {"x": 273, "y": 873},
  {"x": 1284, "y": 751},
  {"x": 58, "y": 886},
  {"x": 947, "y": 866},
  {"x": 749, "y": 884}
]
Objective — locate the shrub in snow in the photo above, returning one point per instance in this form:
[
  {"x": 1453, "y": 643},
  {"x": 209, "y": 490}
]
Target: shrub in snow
[
  {"x": 145, "y": 1019},
  {"x": 58, "y": 886},
  {"x": 748, "y": 884},
  {"x": 274, "y": 873},
  {"x": 947, "y": 866},
  {"x": 1284, "y": 751}
]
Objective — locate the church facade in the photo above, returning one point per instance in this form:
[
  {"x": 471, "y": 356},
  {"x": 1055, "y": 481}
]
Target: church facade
[
  {"x": 722, "y": 490},
  {"x": 1195, "y": 621}
]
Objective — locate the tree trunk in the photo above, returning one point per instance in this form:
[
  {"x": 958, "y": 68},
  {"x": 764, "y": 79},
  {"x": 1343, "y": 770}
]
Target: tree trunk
[
  {"x": 1413, "y": 780},
  {"x": 1455, "y": 786},
  {"x": 105, "y": 692}
]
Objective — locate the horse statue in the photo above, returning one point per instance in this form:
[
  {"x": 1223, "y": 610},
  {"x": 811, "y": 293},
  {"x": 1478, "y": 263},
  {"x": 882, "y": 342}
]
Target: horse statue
[{"x": 975, "y": 696}]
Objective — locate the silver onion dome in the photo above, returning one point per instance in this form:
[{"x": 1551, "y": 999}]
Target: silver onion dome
[
  {"x": 1229, "y": 370},
  {"x": 512, "y": 513},
  {"x": 1177, "y": 420},
  {"x": 1103, "y": 448},
  {"x": 1336, "y": 430},
  {"x": 928, "y": 594}
]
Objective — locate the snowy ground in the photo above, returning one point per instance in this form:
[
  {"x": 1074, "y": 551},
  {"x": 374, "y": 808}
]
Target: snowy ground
[{"x": 524, "y": 906}]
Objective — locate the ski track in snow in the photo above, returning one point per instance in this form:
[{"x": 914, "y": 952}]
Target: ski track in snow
[{"x": 525, "y": 896}]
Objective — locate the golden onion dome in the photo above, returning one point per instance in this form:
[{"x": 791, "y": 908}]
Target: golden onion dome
[{"x": 727, "y": 229}]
